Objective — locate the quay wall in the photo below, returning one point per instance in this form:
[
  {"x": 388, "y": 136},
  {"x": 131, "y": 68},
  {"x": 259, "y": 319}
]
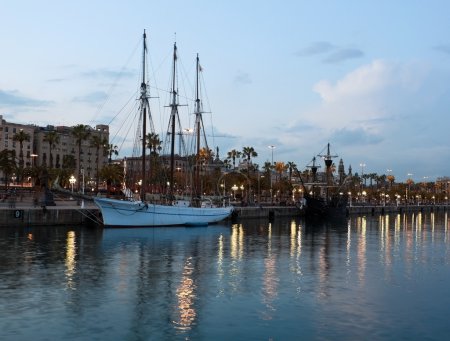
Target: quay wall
[
  {"x": 266, "y": 212},
  {"x": 49, "y": 216},
  {"x": 374, "y": 210},
  {"x": 75, "y": 215}
]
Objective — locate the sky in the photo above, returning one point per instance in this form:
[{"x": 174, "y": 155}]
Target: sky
[{"x": 372, "y": 78}]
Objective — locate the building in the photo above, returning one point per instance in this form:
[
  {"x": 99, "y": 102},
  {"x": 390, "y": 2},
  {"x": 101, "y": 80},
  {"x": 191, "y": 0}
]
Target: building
[
  {"x": 64, "y": 151},
  {"x": 7, "y": 132}
]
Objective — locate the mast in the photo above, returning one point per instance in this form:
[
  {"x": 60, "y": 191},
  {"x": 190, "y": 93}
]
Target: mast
[
  {"x": 173, "y": 117},
  {"x": 144, "y": 111},
  {"x": 328, "y": 158},
  {"x": 198, "y": 118},
  {"x": 143, "y": 102},
  {"x": 199, "y": 132}
]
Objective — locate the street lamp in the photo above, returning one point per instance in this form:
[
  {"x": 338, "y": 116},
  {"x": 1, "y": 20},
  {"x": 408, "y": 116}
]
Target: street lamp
[
  {"x": 33, "y": 159},
  {"x": 72, "y": 181},
  {"x": 362, "y": 172},
  {"x": 234, "y": 188},
  {"x": 82, "y": 183},
  {"x": 272, "y": 147}
]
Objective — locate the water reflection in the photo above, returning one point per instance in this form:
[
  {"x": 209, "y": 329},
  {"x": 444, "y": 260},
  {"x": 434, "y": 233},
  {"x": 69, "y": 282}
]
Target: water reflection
[
  {"x": 186, "y": 297},
  {"x": 251, "y": 279},
  {"x": 270, "y": 279},
  {"x": 70, "y": 259}
]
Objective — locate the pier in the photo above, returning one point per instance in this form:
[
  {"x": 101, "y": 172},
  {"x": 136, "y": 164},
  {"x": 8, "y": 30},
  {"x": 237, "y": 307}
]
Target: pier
[{"x": 25, "y": 211}]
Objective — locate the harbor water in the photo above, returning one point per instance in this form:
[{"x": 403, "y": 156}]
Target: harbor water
[{"x": 357, "y": 278}]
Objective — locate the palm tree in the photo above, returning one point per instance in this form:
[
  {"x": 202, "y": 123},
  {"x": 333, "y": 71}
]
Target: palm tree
[
  {"x": 372, "y": 176},
  {"x": 98, "y": 142},
  {"x": 248, "y": 153},
  {"x": 267, "y": 168},
  {"x": 291, "y": 166},
  {"x": 112, "y": 173},
  {"x": 232, "y": 155},
  {"x": 20, "y": 137},
  {"x": 391, "y": 180},
  {"x": 7, "y": 164},
  {"x": 111, "y": 150},
  {"x": 280, "y": 167},
  {"x": 153, "y": 142},
  {"x": 52, "y": 137},
  {"x": 80, "y": 132},
  {"x": 365, "y": 177}
]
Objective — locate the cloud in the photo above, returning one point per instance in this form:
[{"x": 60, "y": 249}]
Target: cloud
[
  {"x": 334, "y": 54},
  {"x": 107, "y": 73},
  {"x": 366, "y": 80},
  {"x": 443, "y": 48},
  {"x": 355, "y": 136},
  {"x": 318, "y": 47},
  {"x": 14, "y": 99},
  {"x": 93, "y": 97},
  {"x": 242, "y": 78},
  {"x": 342, "y": 55}
]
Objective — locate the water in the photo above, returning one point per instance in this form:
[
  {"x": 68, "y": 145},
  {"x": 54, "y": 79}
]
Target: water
[{"x": 377, "y": 278}]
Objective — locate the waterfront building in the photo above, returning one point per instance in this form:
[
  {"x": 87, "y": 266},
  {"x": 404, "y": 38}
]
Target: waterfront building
[
  {"x": 64, "y": 152},
  {"x": 7, "y": 142}
]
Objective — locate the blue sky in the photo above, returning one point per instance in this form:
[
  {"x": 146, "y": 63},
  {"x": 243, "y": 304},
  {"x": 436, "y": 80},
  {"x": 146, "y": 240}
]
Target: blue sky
[{"x": 370, "y": 77}]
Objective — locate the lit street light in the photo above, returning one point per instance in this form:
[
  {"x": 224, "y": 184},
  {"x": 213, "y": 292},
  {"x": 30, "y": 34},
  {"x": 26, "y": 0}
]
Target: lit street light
[
  {"x": 72, "y": 181},
  {"x": 234, "y": 188},
  {"x": 271, "y": 165},
  {"x": 362, "y": 165}
]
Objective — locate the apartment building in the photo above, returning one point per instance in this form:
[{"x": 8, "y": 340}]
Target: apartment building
[{"x": 64, "y": 152}]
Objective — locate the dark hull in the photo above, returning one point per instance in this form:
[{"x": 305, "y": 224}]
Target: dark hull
[{"x": 319, "y": 207}]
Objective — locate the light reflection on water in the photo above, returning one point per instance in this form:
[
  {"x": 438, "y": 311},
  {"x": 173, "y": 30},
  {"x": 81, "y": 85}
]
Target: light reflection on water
[{"x": 383, "y": 276}]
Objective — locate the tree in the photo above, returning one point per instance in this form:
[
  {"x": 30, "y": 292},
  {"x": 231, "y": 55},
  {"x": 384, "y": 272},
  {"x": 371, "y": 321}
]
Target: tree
[
  {"x": 153, "y": 142},
  {"x": 391, "y": 180},
  {"x": 267, "y": 168},
  {"x": 7, "y": 164},
  {"x": 280, "y": 167},
  {"x": 112, "y": 173},
  {"x": 248, "y": 153},
  {"x": 291, "y": 166},
  {"x": 20, "y": 137},
  {"x": 52, "y": 137},
  {"x": 80, "y": 132},
  {"x": 232, "y": 155},
  {"x": 98, "y": 142},
  {"x": 111, "y": 150}
]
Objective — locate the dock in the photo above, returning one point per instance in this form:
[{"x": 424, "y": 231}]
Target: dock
[{"x": 72, "y": 211}]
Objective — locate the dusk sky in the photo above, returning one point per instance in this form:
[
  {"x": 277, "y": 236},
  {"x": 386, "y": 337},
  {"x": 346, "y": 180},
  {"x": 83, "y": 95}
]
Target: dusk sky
[{"x": 372, "y": 78}]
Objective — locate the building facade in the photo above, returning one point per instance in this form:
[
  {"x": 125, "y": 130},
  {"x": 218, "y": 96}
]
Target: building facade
[{"x": 64, "y": 150}]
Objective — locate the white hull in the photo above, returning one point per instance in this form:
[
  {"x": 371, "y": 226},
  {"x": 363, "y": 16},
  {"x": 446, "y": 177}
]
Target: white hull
[{"x": 138, "y": 214}]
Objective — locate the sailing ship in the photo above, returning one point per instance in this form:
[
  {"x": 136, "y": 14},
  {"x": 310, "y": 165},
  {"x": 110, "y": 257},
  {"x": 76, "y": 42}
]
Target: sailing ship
[
  {"x": 140, "y": 213},
  {"x": 324, "y": 199}
]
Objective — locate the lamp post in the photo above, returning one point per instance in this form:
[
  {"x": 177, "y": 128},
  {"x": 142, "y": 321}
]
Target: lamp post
[
  {"x": 234, "y": 188},
  {"x": 82, "y": 183},
  {"x": 72, "y": 181},
  {"x": 408, "y": 188},
  {"x": 362, "y": 172},
  {"x": 33, "y": 159},
  {"x": 272, "y": 147}
]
